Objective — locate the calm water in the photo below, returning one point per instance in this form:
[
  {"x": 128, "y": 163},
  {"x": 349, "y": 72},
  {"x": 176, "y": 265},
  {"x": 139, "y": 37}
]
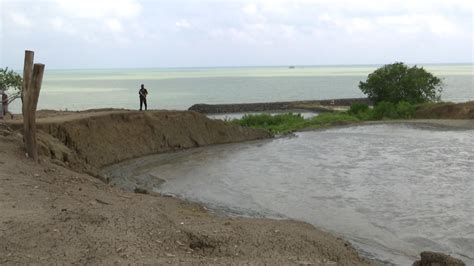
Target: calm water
[
  {"x": 392, "y": 190},
  {"x": 181, "y": 88}
]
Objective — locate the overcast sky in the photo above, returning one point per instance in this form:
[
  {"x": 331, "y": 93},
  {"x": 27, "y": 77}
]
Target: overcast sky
[{"x": 134, "y": 33}]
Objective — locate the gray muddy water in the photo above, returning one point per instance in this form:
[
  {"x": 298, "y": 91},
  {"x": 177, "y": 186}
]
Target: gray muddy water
[{"x": 392, "y": 190}]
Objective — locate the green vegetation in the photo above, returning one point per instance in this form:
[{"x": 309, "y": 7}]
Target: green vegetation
[
  {"x": 284, "y": 123},
  {"x": 397, "y": 82},
  {"x": 288, "y": 122},
  {"x": 10, "y": 80},
  {"x": 280, "y": 123}
]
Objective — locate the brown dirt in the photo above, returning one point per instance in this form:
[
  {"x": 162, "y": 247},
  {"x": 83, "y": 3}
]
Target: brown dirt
[
  {"x": 93, "y": 139},
  {"x": 52, "y": 215},
  {"x": 446, "y": 110}
]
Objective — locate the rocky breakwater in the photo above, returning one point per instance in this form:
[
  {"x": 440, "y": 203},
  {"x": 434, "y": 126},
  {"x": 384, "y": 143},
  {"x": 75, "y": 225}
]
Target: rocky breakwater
[
  {"x": 313, "y": 106},
  {"x": 91, "y": 140}
]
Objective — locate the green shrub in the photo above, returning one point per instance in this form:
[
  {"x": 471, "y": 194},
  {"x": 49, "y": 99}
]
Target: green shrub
[
  {"x": 405, "y": 109},
  {"x": 279, "y": 123},
  {"x": 399, "y": 82},
  {"x": 384, "y": 110},
  {"x": 331, "y": 118},
  {"x": 361, "y": 111},
  {"x": 10, "y": 80},
  {"x": 387, "y": 110},
  {"x": 357, "y": 108},
  {"x": 283, "y": 123}
]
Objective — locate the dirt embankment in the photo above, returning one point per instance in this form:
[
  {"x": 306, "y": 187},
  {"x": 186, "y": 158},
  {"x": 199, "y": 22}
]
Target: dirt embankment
[
  {"x": 93, "y": 139},
  {"x": 52, "y": 215},
  {"x": 446, "y": 110}
]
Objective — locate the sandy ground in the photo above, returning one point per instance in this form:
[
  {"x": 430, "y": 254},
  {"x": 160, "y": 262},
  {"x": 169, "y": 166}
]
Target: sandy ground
[{"x": 52, "y": 215}]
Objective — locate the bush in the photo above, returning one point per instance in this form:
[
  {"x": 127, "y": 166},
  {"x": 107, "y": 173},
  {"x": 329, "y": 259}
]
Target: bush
[
  {"x": 10, "y": 80},
  {"x": 397, "y": 82},
  {"x": 279, "y": 123},
  {"x": 284, "y": 123},
  {"x": 405, "y": 110},
  {"x": 385, "y": 110},
  {"x": 357, "y": 108},
  {"x": 332, "y": 118}
]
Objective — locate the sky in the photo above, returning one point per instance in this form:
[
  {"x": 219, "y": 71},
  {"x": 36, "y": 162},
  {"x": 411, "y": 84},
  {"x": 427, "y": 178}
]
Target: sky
[{"x": 72, "y": 34}]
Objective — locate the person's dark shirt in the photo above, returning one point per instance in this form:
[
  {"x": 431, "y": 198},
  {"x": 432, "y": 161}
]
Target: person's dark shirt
[{"x": 143, "y": 92}]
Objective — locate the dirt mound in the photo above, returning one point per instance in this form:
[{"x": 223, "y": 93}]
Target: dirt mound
[
  {"x": 91, "y": 140},
  {"x": 52, "y": 215},
  {"x": 429, "y": 258},
  {"x": 446, "y": 111}
]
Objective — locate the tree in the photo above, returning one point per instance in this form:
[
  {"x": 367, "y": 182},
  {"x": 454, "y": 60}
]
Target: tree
[
  {"x": 10, "y": 80},
  {"x": 397, "y": 82}
]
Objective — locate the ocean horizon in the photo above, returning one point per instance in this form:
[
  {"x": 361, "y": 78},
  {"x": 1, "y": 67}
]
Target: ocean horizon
[{"x": 179, "y": 88}]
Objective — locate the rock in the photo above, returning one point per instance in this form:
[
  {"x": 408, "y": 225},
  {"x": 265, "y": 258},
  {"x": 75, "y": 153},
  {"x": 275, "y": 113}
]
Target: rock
[
  {"x": 315, "y": 106},
  {"x": 429, "y": 258},
  {"x": 140, "y": 190}
]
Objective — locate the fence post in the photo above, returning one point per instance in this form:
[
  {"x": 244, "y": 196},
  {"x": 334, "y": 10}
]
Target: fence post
[{"x": 32, "y": 79}]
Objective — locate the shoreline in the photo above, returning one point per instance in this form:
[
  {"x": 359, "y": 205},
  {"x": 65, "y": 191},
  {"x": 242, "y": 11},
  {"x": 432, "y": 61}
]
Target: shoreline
[
  {"x": 45, "y": 202},
  {"x": 56, "y": 212}
]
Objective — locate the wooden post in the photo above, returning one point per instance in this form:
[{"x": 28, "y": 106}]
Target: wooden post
[{"x": 32, "y": 79}]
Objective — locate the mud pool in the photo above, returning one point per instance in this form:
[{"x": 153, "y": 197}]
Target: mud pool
[{"x": 392, "y": 190}]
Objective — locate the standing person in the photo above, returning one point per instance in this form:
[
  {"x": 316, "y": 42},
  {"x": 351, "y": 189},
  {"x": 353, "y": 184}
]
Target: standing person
[
  {"x": 143, "y": 93},
  {"x": 5, "y": 104}
]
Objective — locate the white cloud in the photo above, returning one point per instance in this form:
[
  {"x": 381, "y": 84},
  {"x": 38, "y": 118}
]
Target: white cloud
[
  {"x": 250, "y": 9},
  {"x": 279, "y": 29},
  {"x": 57, "y": 23},
  {"x": 100, "y": 8},
  {"x": 183, "y": 23},
  {"x": 62, "y": 26},
  {"x": 20, "y": 20},
  {"x": 113, "y": 25}
]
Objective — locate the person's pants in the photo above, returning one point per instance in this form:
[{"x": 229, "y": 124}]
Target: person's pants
[{"x": 142, "y": 102}]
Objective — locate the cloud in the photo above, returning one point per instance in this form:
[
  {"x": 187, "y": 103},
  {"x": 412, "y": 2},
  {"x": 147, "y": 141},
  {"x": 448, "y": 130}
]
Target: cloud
[
  {"x": 62, "y": 26},
  {"x": 335, "y": 31},
  {"x": 100, "y": 8},
  {"x": 183, "y": 24},
  {"x": 20, "y": 20},
  {"x": 113, "y": 24},
  {"x": 250, "y": 9}
]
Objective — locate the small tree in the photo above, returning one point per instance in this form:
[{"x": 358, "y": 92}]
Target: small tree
[
  {"x": 397, "y": 82},
  {"x": 10, "y": 80}
]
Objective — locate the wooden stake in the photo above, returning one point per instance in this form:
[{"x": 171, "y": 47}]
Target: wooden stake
[
  {"x": 27, "y": 75},
  {"x": 32, "y": 79}
]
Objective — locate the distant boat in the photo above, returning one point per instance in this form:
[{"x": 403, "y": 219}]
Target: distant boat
[{"x": 291, "y": 67}]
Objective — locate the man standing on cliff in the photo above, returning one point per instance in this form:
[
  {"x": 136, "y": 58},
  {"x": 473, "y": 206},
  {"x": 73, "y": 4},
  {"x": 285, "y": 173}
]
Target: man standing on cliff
[{"x": 143, "y": 93}]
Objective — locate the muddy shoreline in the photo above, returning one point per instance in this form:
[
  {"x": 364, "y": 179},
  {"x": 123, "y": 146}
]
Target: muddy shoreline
[{"x": 57, "y": 212}]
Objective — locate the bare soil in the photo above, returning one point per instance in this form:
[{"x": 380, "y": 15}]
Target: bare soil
[
  {"x": 53, "y": 215},
  {"x": 446, "y": 110}
]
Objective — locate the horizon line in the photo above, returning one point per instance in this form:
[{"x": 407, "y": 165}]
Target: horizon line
[{"x": 262, "y": 66}]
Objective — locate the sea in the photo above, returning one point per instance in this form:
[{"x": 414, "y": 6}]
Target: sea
[{"x": 180, "y": 88}]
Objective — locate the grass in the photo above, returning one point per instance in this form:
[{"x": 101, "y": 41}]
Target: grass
[
  {"x": 289, "y": 122},
  {"x": 280, "y": 123}
]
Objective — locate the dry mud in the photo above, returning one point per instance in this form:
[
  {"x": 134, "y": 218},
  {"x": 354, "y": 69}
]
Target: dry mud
[{"x": 51, "y": 214}]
